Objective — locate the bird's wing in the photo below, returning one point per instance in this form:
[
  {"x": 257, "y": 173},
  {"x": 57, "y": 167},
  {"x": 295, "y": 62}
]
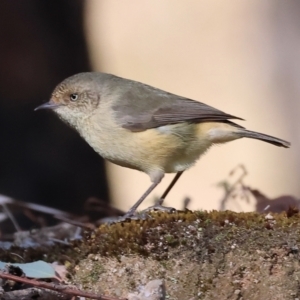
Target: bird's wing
[{"x": 144, "y": 107}]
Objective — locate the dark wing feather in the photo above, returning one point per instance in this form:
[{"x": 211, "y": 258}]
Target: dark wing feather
[{"x": 141, "y": 107}]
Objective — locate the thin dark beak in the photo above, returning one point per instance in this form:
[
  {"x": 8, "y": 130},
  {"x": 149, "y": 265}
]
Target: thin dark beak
[{"x": 47, "y": 105}]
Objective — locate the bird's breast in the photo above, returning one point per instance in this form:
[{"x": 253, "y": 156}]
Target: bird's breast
[{"x": 170, "y": 148}]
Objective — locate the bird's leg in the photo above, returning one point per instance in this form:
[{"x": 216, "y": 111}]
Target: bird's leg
[
  {"x": 158, "y": 204},
  {"x": 132, "y": 210},
  {"x": 166, "y": 192}
]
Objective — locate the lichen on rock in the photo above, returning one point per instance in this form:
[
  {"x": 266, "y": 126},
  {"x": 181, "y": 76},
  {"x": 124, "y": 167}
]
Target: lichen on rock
[{"x": 198, "y": 255}]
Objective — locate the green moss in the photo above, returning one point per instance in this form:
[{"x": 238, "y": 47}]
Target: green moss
[
  {"x": 213, "y": 231},
  {"x": 204, "y": 232},
  {"x": 93, "y": 275},
  {"x": 204, "y": 255}
]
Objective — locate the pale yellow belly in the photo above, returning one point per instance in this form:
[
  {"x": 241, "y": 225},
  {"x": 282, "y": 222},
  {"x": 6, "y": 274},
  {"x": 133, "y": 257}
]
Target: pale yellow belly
[{"x": 170, "y": 148}]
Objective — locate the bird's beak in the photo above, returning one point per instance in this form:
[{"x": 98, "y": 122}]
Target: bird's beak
[{"x": 48, "y": 105}]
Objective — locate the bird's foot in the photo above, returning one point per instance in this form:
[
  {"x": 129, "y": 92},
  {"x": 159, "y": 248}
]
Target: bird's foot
[
  {"x": 143, "y": 215},
  {"x": 159, "y": 207},
  {"x": 125, "y": 218}
]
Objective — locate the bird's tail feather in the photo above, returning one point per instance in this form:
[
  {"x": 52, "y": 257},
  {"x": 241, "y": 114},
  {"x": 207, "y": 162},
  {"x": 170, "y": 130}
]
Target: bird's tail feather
[{"x": 264, "y": 137}]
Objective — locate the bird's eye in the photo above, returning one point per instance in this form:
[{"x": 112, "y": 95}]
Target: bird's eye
[{"x": 74, "y": 97}]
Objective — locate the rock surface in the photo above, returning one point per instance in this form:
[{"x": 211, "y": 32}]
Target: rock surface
[{"x": 194, "y": 255}]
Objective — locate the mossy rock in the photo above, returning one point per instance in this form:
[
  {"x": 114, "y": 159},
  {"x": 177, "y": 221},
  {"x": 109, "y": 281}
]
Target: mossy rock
[{"x": 199, "y": 255}]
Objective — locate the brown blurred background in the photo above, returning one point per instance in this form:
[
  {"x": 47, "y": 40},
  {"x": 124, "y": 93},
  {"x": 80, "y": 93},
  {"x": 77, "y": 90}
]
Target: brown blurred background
[
  {"x": 41, "y": 159},
  {"x": 239, "y": 56}
]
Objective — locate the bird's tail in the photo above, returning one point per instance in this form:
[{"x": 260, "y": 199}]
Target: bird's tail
[{"x": 264, "y": 137}]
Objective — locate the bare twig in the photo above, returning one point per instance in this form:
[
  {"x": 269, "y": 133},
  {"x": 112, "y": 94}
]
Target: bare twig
[
  {"x": 55, "y": 287},
  {"x": 230, "y": 188},
  {"x": 11, "y": 217},
  {"x": 37, "y": 207},
  {"x": 76, "y": 223},
  {"x": 33, "y": 293}
]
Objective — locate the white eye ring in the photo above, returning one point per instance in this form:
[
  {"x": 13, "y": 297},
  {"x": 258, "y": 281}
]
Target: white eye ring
[{"x": 74, "y": 97}]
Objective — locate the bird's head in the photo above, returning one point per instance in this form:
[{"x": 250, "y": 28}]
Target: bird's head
[{"x": 74, "y": 98}]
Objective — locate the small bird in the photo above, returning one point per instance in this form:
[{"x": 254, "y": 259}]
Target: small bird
[{"x": 141, "y": 127}]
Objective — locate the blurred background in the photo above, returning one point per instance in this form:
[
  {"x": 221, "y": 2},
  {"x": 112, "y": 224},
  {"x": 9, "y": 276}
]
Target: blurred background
[{"x": 242, "y": 57}]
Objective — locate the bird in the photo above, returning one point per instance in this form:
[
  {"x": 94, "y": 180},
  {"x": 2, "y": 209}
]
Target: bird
[{"x": 137, "y": 126}]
